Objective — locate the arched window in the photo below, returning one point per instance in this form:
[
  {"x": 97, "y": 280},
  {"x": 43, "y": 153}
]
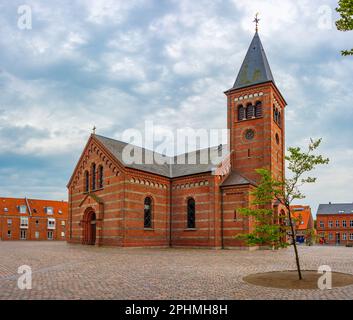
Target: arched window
[
  {"x": 191, "y": 214},
  {"x": 279, "y": 118},
  {"x": 86, "y": 187},
  {"x": 148, "y": 213},
  {"x": 100, "y": 177},
  {"x": 276, "y": 116},
  {"x": 249, "y": 111},
  {"x": 258, "y": 109},
  {"x": 93, "y": 176},
  {"x": 241, "y": 113}
]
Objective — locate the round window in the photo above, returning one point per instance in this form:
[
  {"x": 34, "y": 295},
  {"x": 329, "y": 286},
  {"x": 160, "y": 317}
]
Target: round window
[{"x": 249, "y": 134}]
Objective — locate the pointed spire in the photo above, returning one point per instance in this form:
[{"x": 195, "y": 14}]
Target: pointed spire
[{"x": 255, "y": 68}]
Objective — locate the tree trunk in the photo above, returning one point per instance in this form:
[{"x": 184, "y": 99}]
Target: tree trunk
[{"x": 295, "y": 245}]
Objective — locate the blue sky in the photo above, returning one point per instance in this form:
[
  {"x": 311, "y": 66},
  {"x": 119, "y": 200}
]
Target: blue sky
[{"x": 115, "y": 64}]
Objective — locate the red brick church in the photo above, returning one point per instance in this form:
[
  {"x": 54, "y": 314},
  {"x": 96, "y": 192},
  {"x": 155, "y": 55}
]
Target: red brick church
[{"x": 183, "y": 205}]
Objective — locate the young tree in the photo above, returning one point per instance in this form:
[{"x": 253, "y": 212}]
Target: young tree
[
  {"x": 345, "y": 9},
  {"x": 267, "y": 230}
]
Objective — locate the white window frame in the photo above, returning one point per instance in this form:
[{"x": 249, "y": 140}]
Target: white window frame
[
  {"x": 22, "y": 209},
  {"x": 49, "y": 210},
  {"x": 330, "y": 224},
  {"x": 344, "y": 236},
  {"x": 9, "y": 222},
  {"x": 50, "y": 232},
  {"x": 24, "y": 222},
  {"x": 9, "y": 234},
  {"x": 63, "y": 223},
  {"x": 351, "y": 236},
  {"x": 51, "y": 224},
  {"x": 337, "y": 223},
  {"x": 23, "y": 232},
  {"x": 330, "y": 236},
  {"x": 344, "y": 223},
  {"x": 351, "y": 223},
  {"x": 62, "y": 234},
  {"x": 37, "y": 235},
  {"x": 322, "y": 224}
]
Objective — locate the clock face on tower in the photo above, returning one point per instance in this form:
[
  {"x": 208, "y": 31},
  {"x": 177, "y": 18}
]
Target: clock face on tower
[{"x": 249, "y": 134}]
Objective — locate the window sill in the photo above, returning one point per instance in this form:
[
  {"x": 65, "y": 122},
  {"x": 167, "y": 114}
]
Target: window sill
[
  {"x": 148, "y": 229},
  {"x": 190, "y": 229},
  {"x": 253, "y": 118}
]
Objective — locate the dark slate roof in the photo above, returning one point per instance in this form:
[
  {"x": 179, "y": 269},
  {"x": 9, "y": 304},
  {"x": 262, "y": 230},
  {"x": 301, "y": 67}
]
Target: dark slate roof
[
  {"x": 335, "y": 208},
  {"x": 235, "y": 179},
  {"x": 255, "y": 68},
  {"x": 205, "y": 160}
]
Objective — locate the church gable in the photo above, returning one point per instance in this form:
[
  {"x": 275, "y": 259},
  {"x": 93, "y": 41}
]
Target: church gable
[{"x": 94, "y": 154}]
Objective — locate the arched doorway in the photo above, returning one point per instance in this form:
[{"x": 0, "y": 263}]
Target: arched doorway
[{"x": 89, "y": 228}]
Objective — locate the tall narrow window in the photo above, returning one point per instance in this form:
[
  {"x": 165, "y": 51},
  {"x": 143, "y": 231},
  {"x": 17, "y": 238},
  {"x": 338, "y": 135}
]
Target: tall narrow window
[
  {"x": 274, "y": 113},
  {"x": 279, "y": 118},
  {"x": 148, "y": 213},
  {"x": 101, "y": 177},
  {"x": 241, "y": 113},
  {"x": 86, "y": 181},
  {"x": 249, "y": 111},
  {"x": 93, "y": 176},
  {"x": 191, "y": 214},
  {"x": 258, "y": 109}
]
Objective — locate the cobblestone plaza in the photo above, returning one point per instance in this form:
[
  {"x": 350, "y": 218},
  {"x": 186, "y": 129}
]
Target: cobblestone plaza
[{"x": 64, "y": 271}]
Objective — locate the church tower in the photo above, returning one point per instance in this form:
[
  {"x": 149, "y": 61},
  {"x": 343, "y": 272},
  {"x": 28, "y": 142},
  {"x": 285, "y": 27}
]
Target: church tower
[{"x": 256, "y": 117}]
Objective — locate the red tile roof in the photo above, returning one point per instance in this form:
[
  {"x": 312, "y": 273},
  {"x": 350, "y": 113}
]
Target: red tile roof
[
  {"x": 34, "y": 206},
  {"x": 304, "y": 217}
]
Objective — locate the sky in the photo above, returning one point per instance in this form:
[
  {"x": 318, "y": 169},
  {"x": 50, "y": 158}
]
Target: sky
[{"x": 116, "y": 64}]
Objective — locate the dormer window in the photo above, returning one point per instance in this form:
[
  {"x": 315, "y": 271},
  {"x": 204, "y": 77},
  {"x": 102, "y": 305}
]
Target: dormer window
[
  {"x": 6, "y": 210},
  {"x": 22, "y": 209},
  {"x": 49, "y": 210}
]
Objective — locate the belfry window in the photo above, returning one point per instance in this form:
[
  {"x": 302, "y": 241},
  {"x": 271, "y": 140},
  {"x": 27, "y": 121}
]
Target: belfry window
[
  {"x": 93, "y": 175},
  {"x": 241, "y": 113},
  {"x": 258, "y": 109},
  {"x": 191, "y": 218},
  {"x": 100, "y": 177},
  {"x": 86, "y": 188},
  {"x": 148, "y": 213},
  {"x": 250, "y": 111}
]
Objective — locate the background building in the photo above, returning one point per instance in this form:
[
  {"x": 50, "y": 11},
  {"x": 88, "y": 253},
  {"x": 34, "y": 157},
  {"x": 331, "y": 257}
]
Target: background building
[
  {"x": 29, "y": 219},
  {"x": 304, "y": 222},
  {"x": 335, "y": 223}
]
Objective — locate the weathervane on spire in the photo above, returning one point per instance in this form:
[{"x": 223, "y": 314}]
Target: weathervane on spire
[
  {"x": 94, "y": 130},
  {"x": 257, "y": 20}
]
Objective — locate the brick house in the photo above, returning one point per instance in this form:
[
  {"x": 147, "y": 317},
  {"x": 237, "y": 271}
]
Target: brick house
[
  {"x": 31, "y": 219},
  {"x": 112, "y": 202},
  {"x": 304, "y": 222},
  {"x": 334, "y": 223}
]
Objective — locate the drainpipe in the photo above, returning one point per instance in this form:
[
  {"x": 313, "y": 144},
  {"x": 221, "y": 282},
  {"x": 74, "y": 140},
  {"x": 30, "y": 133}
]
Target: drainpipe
[
  {"x": 170, "y": 214},
  {"x": 28, "y": 206},
  {"x": 170, "y": 204},
  {"x": 222, "y": 220},
  {"x": 29, "y": 220}
]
